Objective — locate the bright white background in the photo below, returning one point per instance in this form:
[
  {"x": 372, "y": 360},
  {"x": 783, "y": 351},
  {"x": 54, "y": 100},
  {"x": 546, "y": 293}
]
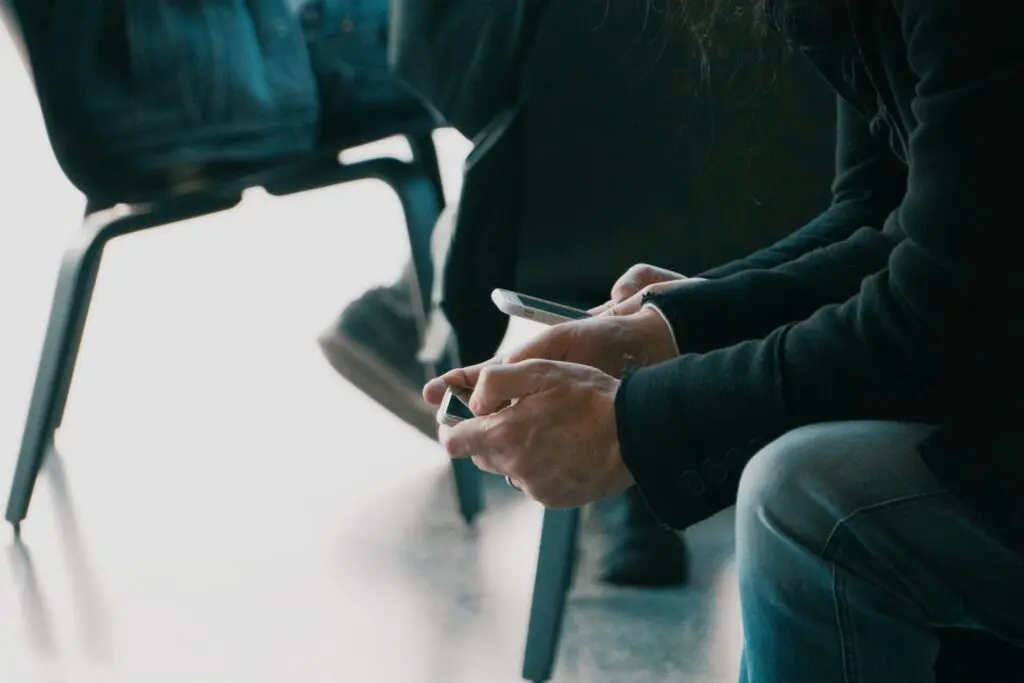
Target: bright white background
[{"x": 231, "y": 511}]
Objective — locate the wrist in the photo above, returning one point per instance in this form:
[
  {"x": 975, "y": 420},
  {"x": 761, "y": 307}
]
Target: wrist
[
  {"x": 619, "y": 478},
  {"x": 657, "y": 338}
]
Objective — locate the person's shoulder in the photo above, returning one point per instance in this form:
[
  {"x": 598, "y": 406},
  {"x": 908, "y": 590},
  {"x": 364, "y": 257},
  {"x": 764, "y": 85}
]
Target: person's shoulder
[
  {"x": 975, "y": 20},
  {"x": 954, "y": 41}
]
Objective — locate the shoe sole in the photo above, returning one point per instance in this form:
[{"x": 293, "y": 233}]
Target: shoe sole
[{"x": 375, "y": 379}]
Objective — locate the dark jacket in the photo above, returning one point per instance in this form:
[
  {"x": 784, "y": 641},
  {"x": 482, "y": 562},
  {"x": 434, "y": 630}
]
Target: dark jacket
[
  {"x": 463, "y": 58},
  {"x": 901, "y": 302},
  {"x": 619, "y": 152}
]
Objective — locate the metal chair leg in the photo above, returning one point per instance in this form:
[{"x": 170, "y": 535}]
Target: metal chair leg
[
  {"x": 421, "y": 203},
  {"x": 71, "y": 298},
  {"x": 550, "y": 591},
  {"x": 419, "y": 198},
  {"x": 468, "y": 480},
  {"x": 424, "y": 151},
  {"x": 75, "y": 282}
]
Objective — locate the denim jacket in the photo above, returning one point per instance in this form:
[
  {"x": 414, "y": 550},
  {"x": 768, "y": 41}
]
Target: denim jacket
[{"x": 134, "y": 92}]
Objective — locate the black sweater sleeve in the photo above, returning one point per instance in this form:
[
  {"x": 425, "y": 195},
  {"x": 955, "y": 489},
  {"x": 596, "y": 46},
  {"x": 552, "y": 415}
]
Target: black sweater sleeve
[
  {"x": 869, "y": 182},
  {"x": 933, "y": 336},
  {"x": 781, "y": 284}
]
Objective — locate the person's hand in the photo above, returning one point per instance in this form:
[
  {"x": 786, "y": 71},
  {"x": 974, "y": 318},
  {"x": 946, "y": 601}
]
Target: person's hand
[
  {"x": 549, "y": 427},
  {"x": 608, "y": 343},
  {"x": 629, "y": 290}
]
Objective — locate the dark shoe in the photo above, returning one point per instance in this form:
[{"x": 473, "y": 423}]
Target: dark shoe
[
  {"x": 640, "y": 551},
  {"x": 374, "y": 345}
]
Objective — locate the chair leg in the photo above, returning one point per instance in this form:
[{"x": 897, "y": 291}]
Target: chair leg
[
  {"x": 419, "y": 199},
  {"x": 424, "y": 151},
  {"x": 550, "y": 591},
  {"x": 75, "y": 283},
  {"x": 468, "y": 480}
]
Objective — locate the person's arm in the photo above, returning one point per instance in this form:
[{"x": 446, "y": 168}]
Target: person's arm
[
  {"x": 933, "y": 337},
  {"x": 781, "y": 284},
  {"x": 868, "y": 184}
]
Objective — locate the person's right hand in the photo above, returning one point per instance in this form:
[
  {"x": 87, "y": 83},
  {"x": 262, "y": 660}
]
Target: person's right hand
[
  {"x": 608, "y": 343},
  {"x": 629, "y": 290}
]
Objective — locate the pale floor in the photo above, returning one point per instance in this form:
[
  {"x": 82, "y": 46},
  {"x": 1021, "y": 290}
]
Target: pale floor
[{"x": 227, "y": 510}]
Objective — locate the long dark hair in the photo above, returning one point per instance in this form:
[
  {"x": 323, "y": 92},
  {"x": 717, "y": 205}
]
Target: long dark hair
[{"x": 702, "y": 19}]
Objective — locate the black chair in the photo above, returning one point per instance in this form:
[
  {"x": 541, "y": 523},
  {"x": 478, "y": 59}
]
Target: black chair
[{"x": 416, "y": 183}]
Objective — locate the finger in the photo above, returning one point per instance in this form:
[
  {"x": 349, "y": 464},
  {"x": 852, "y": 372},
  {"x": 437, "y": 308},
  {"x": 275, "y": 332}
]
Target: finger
[
  {"x": 602, "y": 309},
  {"x": 549, "y": 345},
  {"x": 627, "y": 307},
  {"x": 483, "y": 437},
  {"x": 455, "y": 440},
  {"x": 500, "y": 384},
  {"x": 485, "y": 465},
  {"x": 635, "y": 302},
  {"x": 464, "y": 378},
  {"x": 638, "y": 277},
  {"x": 631, "y": 282},
  {"x": 625, "y": 287}
]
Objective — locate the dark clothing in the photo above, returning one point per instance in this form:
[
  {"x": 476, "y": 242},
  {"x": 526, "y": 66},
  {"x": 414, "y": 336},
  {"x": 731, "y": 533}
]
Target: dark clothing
[
  {"x": 899, "y": 303},
  {"x": 620, "y": 153},
  {"x": 135, "y": 94}
]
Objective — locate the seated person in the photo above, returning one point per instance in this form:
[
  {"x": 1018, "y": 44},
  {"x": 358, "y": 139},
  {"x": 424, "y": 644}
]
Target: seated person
[
  {"x": 375, "y": 345},
  {"x": 696, "y": 160},
  {"x": 853, "y": 389}
]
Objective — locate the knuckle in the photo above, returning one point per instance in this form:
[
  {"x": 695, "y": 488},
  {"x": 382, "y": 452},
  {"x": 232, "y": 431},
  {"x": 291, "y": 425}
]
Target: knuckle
[
  {"x": 447, "y": 443},
  {"x": 486, "y": 377},
  {"x": 484, "y": 465},
  {"x": 502, "y": 433}
]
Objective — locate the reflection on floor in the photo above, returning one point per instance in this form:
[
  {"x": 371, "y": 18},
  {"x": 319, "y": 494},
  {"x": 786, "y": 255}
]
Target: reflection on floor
[
  {"x": 224, "y": 509},
  {"x": 241, "y": 576}
]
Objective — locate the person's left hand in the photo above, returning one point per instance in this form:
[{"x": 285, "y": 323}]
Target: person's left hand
[{"x": 557, "y": 441}]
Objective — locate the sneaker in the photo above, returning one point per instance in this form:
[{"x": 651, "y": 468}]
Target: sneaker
[
  {"x": 374, "y": 345},
  {"x": 641, "y": 552}
]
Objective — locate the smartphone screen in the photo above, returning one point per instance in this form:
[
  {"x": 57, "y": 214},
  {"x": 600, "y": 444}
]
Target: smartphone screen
[
  {"x": 457, "y": 409},
  {"x": 551, "y": 307}
]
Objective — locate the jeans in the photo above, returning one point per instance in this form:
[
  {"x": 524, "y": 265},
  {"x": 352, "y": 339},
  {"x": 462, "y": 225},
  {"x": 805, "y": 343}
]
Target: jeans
[
  {"x": 137, "y": 89},
  {"x": 851, "y": 554}
]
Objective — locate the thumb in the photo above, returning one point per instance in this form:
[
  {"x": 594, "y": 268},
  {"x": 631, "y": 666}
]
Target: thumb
[
  {"x": 639, "y": 276},
  {"x": 498, "y": 385},
  {"x": 633, "y": 303},
  {"x": 627, "y": 307}
]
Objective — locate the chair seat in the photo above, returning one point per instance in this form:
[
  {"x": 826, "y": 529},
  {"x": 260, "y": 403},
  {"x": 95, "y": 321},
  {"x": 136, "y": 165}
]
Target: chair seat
[{"x": 236, "y": 177}]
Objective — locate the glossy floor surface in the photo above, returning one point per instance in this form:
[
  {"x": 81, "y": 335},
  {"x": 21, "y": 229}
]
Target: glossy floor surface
[{"x": 224, "y": 509}]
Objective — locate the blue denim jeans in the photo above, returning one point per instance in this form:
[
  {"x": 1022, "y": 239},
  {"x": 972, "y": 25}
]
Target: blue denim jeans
[{"x": 851, "y": 555}]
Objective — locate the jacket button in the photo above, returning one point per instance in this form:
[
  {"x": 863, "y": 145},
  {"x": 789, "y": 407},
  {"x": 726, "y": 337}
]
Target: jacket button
[
  {"x": 692, "y": 484},
  {"x": 715, "y": 470}
]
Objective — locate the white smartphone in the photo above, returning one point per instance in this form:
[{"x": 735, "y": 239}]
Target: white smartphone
[
  {"x": 532, "y": 308},
  {"x": 454, "y": 407}
]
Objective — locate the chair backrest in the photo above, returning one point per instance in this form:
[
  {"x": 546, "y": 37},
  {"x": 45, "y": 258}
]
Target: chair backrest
[{"x": 628, "y": 156}]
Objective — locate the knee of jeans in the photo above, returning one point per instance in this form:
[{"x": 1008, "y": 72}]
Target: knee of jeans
[{"x": 789, "y": 487}]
